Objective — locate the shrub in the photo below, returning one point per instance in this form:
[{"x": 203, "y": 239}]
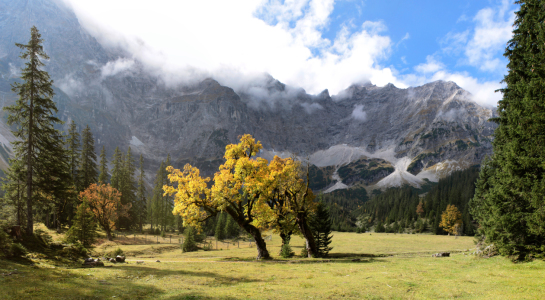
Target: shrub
[
  {"x": 189, "y": 244},
  {"x": 115, "y": 253},
  {"x": 286, "y": 251},
  {"x": 17, "y": 250},
  {"x": 304, "y": 252},
  {"x": 162, "y": 234},
  {"x": 43, "y": 236},
  {"x": 74, "y": 250},
  {"x": 5, "y": 243}
]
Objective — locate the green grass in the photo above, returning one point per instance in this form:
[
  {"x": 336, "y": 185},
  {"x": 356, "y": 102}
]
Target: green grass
[{"x": 390, "y": 266}]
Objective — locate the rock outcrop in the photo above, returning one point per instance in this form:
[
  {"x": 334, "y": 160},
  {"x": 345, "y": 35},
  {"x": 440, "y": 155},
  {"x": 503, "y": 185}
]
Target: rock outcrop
[{"x": 416, "y": 133}]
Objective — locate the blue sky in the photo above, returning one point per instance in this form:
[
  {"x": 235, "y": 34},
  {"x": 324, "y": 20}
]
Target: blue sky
[{"x": 314, "y": 44}]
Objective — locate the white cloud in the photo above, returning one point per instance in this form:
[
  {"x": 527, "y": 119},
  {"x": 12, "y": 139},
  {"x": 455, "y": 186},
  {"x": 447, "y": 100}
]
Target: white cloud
[
  {"x": 358, "y": 113},
  {"x": 431, "y": 65},
  {"x": 118, "y": 66},
  {"x": 311, "y": 107},
  {"x": 482, "y": 91},
  {"x": 70, "y": 85},
  {"x": 233, "y": 41},
  {"x": 405, "y": 37},
  {"x": 182, "y": 40},
  {"x": 483, "y": 46}
]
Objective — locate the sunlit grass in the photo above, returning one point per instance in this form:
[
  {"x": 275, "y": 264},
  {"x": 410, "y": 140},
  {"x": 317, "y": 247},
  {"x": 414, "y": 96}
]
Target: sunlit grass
[{"x": 406, "y": 271}]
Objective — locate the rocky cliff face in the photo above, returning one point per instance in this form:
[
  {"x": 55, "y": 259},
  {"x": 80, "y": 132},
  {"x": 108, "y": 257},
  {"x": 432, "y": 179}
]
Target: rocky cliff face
[{"x": 414, "y": 133}]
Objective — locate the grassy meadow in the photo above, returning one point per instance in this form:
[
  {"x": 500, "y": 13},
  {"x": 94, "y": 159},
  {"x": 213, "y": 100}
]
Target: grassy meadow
[{"x": 361, "y": 266}]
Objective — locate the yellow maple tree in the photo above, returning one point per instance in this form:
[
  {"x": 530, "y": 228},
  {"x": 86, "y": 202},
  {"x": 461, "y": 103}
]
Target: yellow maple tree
[
  {"x": 237, "y": 190},
  {"x": 294, "y": 199},
  {"x": 451, "y": 219}
]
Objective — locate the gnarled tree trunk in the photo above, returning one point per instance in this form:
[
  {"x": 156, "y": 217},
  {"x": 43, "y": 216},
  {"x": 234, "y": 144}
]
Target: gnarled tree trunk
[
  {"x": 301, "y": 219},
  {"x": 262, "y": 252}
]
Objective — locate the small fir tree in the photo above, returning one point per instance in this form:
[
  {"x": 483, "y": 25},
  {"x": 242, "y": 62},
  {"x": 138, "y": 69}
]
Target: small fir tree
[
  {"x": 321, "y": 227},
  {"x": 189, "y": 244},
  {"x": 220, "y": 227},
  {"x": 83, "y": 229}
]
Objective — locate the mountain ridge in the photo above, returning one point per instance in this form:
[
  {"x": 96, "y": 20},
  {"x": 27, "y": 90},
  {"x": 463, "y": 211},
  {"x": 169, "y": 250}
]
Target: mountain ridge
[{"x": 418, "y": 131}]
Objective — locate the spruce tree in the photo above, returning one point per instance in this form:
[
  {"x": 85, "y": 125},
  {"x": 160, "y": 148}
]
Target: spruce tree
[
  {"x": 73, "y": 145},
  {"x": 156, "y": 205},
  {"x": 220, "y": 227},
  {"x": 231, "y": 227},
  {"x": 189, "y": 244},
  {"x": 73, "y": 148},
  {"x": 510, "y": 194},
  {"x": 34, "y": 113},
  {"x": 84, "y": 227},
  {"x": 141, "y": 196},
  {"x": 88, "y": 173},
  {"x": 168, "y": 203},
  {"x": 103, "y": 176},
  {"x": 14, "y": 188},
  {"x": 117, "y": 169},
  {"x": 54, "y": 180},
  {"x": 128, "y": 189},
  {"x": 321, "y": 227}
]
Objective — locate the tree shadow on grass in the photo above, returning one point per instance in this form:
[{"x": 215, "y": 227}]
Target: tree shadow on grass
[
  {"x": 196, "y": 296},
  {"x": 31, "y": 282},
  {"x": 219, "y": 279}
]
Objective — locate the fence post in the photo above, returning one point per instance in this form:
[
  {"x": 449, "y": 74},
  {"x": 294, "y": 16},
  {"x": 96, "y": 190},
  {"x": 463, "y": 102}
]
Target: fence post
[{"x": 170, "y": 242}]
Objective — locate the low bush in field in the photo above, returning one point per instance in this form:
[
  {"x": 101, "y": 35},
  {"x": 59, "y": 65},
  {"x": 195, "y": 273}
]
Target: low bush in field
[{"x": 286, "y": 251}]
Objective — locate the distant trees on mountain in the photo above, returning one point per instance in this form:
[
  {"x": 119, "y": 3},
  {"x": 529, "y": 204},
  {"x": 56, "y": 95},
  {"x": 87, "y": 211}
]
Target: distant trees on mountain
[{"x": 404, "y": 209}]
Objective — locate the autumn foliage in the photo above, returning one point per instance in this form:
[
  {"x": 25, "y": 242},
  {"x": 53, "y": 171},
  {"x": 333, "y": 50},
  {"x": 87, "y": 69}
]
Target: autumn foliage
[
  {"x": 105, "y": 204},
  {"x": 451, "y": 220},
  {"x": 420, "y": 209},
  {"x": 244, "y": 187}
]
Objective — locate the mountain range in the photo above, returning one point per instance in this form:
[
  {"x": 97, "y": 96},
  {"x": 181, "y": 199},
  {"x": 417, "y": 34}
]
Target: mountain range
[{"x": 369, "y": 136}]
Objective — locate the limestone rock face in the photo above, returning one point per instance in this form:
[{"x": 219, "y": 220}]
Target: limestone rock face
[{"x": 420, "y": 132}]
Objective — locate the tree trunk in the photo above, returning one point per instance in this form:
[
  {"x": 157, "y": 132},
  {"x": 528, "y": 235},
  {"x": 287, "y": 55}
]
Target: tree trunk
[
  {"x": 109, "y": 235},
  {"x": 262, "y": 252},
  {"x": 57, "y": 219},
  {"x": 30, "y": 217},
  {"x": 301, "y": 220}
]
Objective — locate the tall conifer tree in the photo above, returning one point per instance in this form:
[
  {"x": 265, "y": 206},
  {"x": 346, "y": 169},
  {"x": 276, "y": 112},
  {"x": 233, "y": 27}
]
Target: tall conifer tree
[
  {"x": 116, "y": 169},
  {"x": 141, "y": 196},
  {"x": 88, "y": 172},
  {"x": 509, "y": 202},
  {"x": 34, "y": 113},
  {"x": 128, "y": 190},
  {"x": 54, "y": 180},
  {"x": 73, "y": 145},
  {"x": 157, "y": 204},
  {"x": 103, "y": 176}
]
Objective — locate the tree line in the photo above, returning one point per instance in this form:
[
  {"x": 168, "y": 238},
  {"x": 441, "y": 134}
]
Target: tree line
[
  {"x": 55, "y": 178},
  {"x": 402, "y": 209}
]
